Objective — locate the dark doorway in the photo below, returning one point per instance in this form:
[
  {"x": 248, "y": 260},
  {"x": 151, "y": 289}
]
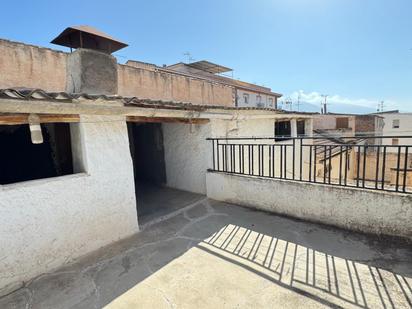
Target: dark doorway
[
  {"x": 146, "y": 147},
  {"x": 282, "y": 130},
  {"x": 154, "y": 199},
  {"x": 300, "y": 126}
]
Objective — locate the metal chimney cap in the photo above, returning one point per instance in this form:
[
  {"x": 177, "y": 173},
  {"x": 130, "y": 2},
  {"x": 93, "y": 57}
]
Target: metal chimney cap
[{"x": 88, "y": 37}]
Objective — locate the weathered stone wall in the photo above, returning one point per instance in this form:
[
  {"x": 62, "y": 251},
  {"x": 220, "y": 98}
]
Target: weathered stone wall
[
  {"x": 90, "y": 71},
  {"x": 171, "y": 87},
  {"x": 30, "y": 66},
  {"x": 365, "y": 123}
]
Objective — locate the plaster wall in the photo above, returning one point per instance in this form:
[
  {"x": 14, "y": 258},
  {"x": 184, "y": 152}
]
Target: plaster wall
[
  {"x": 242, "y": 128},
  {"x": 405, "y": 129},
  {"x": 354, "y": 209},
  {"x": 23, "y": 65},
  {"x": 47, "y": 223},
  {"x": 186, "y": 156},
  {"x": 391, "y": 163},
  {"x": 141, "y": 65},
  {"x": 156, "y": 85}
]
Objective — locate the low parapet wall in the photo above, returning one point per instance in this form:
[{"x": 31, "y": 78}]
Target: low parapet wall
[
  {"x": 354, "y": 209},
  {"x": 29, "y": 66},
  {"x": 149, "y": 84},
  {"x": 23, "y": 65}
]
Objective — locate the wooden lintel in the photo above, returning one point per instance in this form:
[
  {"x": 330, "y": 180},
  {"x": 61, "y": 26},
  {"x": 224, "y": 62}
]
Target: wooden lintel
[
  {"x": 167, "y": 119},
  {"x": 14, "y": 119}
]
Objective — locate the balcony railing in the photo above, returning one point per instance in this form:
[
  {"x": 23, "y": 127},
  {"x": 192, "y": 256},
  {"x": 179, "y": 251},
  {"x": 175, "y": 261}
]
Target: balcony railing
[{"x": 369, "y": 162}]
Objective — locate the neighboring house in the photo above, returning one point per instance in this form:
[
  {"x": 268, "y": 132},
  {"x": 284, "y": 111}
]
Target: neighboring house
[
  {"x": 396, "y": 124},
  {"x": 245, "y": 94},
  {"x": 333, "y": 126},
  {"x": 348, "y": 124}
]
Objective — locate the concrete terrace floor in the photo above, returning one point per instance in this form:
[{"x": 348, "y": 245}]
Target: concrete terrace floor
[
  {"x": 217, "y": 255},
  {"x": 156, "y": 203}
]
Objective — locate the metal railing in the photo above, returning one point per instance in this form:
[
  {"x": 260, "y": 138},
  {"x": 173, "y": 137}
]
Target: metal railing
[{"x": 369, "y": 162}]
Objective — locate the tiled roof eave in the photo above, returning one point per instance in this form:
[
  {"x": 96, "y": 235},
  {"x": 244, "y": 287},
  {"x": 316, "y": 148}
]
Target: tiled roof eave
[{"x": 41, "y": 95}]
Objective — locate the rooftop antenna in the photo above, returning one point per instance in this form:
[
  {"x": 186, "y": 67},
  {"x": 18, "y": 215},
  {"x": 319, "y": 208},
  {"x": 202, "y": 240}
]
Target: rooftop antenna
[
  {"x": 380, "y": 106},
  {"x": 289, "y": 102},
  {"x": 189, "y": 56},
  {"x": 324, "y": 103},
  {"x": 298, "y": 103}
]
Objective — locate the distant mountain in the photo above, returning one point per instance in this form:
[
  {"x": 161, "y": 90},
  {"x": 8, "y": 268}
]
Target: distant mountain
[{"x": 332, "y": 108}]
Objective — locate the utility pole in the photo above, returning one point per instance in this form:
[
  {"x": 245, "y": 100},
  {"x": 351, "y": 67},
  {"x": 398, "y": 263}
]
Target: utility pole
[{"x": 324, "y": 103}]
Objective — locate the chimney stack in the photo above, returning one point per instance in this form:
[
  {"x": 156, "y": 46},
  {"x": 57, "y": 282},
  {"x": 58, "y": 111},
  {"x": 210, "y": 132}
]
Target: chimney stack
[{"x": 91, "y": 68}]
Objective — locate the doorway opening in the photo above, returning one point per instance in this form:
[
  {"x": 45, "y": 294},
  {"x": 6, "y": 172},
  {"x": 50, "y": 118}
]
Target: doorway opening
[{"x": 155, "y": 198}]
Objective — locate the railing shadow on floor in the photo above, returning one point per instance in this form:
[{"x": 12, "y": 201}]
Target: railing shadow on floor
[{"x": 331, "y": 280}]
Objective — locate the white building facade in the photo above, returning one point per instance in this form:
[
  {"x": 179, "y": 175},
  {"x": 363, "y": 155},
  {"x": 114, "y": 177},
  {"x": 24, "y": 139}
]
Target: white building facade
[
  {"x": 247, "y": 98},
  {"x": 397, "y": 125}
]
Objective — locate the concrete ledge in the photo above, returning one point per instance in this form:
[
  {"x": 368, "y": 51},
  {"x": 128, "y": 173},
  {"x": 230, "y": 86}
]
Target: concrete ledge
[{"x": 368, "y": 211}]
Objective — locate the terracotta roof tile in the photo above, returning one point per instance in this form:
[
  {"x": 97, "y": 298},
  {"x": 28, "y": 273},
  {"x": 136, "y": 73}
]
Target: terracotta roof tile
[{"x": 38, "y": 94}]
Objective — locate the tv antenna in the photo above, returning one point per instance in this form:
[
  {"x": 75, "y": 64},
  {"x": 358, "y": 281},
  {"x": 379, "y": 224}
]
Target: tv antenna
[
  {"x": 189, "y": 56},
  {"x": 298, "y": 103},
  {"x": 324, "y": 104},
  {"x": 381, "y": 106},
  {"x": 289, "y": 102}
]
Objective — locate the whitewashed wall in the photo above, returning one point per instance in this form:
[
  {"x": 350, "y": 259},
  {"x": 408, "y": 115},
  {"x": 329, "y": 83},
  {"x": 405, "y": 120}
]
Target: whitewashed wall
[
  {"x": 356, "y": 209},
  {"x": 47, "y": 223},
  {"x": 405, "y": 129},
  {"x": 186, "y": 156},
  {"x": 265, "y": 102}
]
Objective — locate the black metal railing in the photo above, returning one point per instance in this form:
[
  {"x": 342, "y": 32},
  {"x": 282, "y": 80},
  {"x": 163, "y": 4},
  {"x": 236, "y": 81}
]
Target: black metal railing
[{"x": 370, "y": 162}]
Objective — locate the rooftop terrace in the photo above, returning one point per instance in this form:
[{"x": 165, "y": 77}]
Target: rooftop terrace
[{"x": 221, "y": 255}]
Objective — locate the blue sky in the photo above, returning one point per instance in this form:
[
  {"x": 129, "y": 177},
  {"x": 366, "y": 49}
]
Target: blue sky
[{"x": 356, "y": 51}]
